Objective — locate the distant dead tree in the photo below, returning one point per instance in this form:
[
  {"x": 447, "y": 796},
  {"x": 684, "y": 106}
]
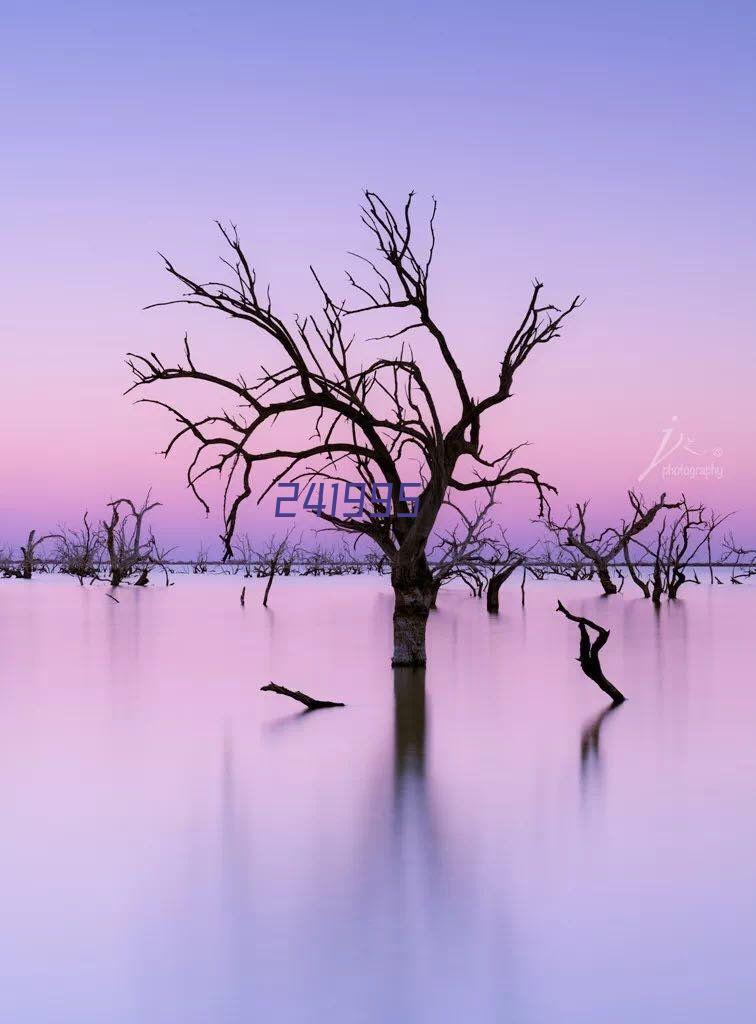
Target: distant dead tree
[
  {"x": 601, "y": 549},
  {"x": 676, "y": 547},
  {"x": 6, "y": 561},
  {"x": 589, "y": 653},
  {"x": 244, "y": 552},
  {"x": 275, "y": 558},
  {"x": 740, "y": 560},
  {"x": 376, "y": 561},
  {"x": 475, "y": 550},
  {"x": 80, "y": 552},
  {"x": 565, "y": 561},
  {"x": 361, "y": 419},
  {"x": 128, "y": 549},
  {"x": 459, "y": 551},
  {"x": 23, "y": 568},
  {"x": 199, "y": 565},
  {"x": 315, "y": 561},
  {"x": 347, "y": 560}
]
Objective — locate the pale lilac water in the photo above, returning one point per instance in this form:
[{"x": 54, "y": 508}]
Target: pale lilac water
[{"x": 179, "y": 848}]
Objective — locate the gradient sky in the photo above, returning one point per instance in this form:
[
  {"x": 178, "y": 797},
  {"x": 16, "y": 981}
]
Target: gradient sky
[{"x": 608, "y": 149}]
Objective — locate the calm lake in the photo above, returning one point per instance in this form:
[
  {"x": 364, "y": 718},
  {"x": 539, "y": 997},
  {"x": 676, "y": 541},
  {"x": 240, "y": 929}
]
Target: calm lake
[{"x": 180, "y": 848}]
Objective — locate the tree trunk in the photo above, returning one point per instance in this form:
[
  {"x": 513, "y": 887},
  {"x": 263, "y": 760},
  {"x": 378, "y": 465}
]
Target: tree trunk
[
  {"x": 658, "y": 585},
  {"x": 495, "y": 584},
  {"x": 414, "y": 591},
  {"x": 608, "y": 584}
]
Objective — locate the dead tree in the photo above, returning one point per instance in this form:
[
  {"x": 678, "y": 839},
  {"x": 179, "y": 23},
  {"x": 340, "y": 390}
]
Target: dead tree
[
  {"x": 563, "y": 561},
  {"x": 375, "y": 561},
  {"x": 601, "y": 549},
  {"x": 740, "y": 560},
  {"x": 276, "y": 558},
  {"x": 23, "y": 569},
  {"x": 128, "y": 550},
  {"x": 80, "y": 552},
  {"x": 200, "y": 563},
  {"x": 244, "y": 553},
  {"x": 315, "y": 561},
  {"x": 460, "y": 551},
  {"x": 589, "y": 653},
  {"x": 475, "y": 551},
  {"x": 6, "y": 562},
  {"x": 499, "y": 577},
  {"x": 362, "y": 417},
  {"x": 643, "y": 585},
  {"x": 677, "y": 545},
  {"x": 311, "y": 703}
]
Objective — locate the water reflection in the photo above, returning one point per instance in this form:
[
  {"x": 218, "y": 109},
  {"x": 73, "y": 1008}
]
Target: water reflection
[
  {"x": 590, "y": 750},
  {"x": 207, "y": 853}
]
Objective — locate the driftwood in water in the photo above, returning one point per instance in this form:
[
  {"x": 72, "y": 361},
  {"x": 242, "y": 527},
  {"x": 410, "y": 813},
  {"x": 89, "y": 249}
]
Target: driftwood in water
[
  {"x": 243, "y": 596},
  {"x": 311, "y": 703},
  {"x": 589, "y": 653}
]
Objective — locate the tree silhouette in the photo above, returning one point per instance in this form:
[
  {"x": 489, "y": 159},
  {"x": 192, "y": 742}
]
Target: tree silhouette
[
  {"x": 368, "y": 420},
  {"x": 601, "y": 549}
]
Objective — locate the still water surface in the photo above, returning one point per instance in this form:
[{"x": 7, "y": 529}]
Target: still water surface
[{"x": 179, "y": 848}]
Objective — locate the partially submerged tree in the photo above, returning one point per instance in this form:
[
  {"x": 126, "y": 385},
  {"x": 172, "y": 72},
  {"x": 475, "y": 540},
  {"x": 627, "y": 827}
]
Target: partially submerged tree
[
  {"x": 276, "y": 557},
  {"x": 741, "y": 561},
  {"x": 361, "y": 420},
  {"x": 589, "y": 651},
  {"x": 475, "y": 550},
  {"x": 601, "y": 549},
  {"x": 80, "y": 551},
  {"x": 200, "y": 563},
  {"x": 128, "y": 546},
  {"x": 461, "y": 549},
  {"x": 677, "y": 546},
  {"x": 23, "y": 568},
  {"x": 557, "y": 560}
]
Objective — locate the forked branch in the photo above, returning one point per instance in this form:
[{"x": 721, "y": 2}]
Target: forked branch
[{"x": 589, "y": 653}]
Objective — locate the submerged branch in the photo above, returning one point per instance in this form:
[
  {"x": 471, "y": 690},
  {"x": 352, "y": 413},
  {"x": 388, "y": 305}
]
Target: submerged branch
[
  {"x": 311, "y": 703},
  {"x": 589, "y": 653}
]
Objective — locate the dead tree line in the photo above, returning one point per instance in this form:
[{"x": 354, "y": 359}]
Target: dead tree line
[
  {"x": 120, "y": 547},
  {"x": 601, "y": 549}
]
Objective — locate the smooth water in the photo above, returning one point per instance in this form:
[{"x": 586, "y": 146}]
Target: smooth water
[{"x": 178, "y": 847}]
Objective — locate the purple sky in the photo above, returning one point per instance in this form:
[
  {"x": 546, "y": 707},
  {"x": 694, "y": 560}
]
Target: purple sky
[{"x": 607, "y": 149}]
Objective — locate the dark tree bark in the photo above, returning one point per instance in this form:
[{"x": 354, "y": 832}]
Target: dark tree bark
[
  {"x": 495, "y": 584},
  {"x": 589, "y": 653},
  {"x": 311, "y": 703},
  {"x": 414, "y": 594}
]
